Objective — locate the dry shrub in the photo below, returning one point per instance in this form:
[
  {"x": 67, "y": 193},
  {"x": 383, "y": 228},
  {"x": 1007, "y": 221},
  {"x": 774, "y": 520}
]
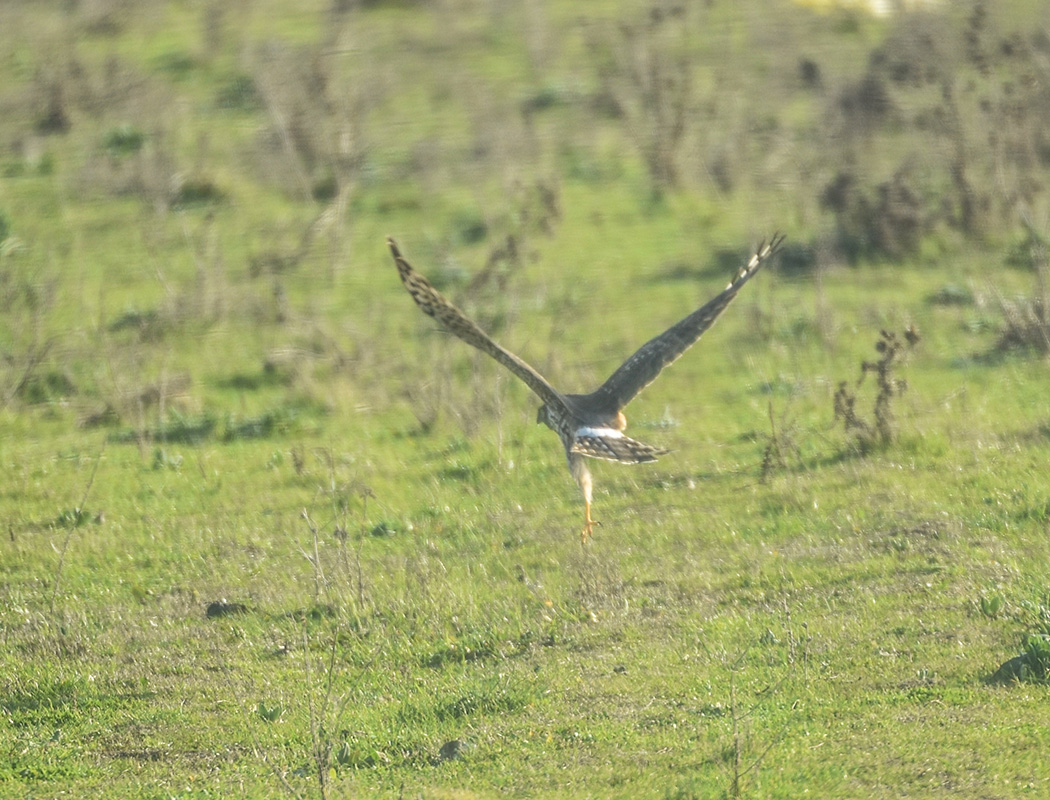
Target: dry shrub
[
  {"x": 887, "y": 221},
  {"x": 965, "y": 101},
  {"x": 26, "y": 300},
  {"x": 125, "y": 117},
  {"x": 1026, "y": 320},
  {"x": 878, "y": 432},
  {"x": 104, "y": 17},
  {"x": 1026, "y": 324},
  {"x": 922, "y": 49},
  {"x": 125, "y": 401},
  {"x": 865, "y": 105},
  {"x": 645, "y": 71},
  {"x": 314, "y": 143}
]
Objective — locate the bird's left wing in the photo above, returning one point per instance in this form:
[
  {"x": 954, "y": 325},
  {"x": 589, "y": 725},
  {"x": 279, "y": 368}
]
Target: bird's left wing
[
  {"x": 434, "y": 304},
  {"x": 641, "y": 369}
]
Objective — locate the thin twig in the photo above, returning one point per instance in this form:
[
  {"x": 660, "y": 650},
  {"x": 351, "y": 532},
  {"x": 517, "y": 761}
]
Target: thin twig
[
  {"x": 33, "y": 358},
  {"x": 316, "y": 731},
  {"x": 278, "y": 774},
  {"x": 315, "y": 559},
  {"x": 78, "y": 513}
]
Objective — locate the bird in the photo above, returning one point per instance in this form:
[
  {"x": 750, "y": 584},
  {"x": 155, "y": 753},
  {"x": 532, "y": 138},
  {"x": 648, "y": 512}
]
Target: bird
[{"x": 589, "y": 425}]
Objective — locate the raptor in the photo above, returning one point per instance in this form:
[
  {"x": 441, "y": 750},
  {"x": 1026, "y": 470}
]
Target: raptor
[{"x": 589, "y": 425}]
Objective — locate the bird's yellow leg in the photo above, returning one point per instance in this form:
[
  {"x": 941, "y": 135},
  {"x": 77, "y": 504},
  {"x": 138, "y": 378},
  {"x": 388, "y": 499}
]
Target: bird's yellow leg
[{"x": 588, "y": 523}]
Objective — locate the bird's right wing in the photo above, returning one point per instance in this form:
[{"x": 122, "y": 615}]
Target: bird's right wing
[
  {"x": 641, "y": 369},
  {"x": 434, "y": 304}
]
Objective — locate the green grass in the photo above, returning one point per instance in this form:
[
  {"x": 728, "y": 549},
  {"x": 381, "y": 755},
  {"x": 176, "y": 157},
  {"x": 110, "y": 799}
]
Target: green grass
[{"x": 199, "y": 411}]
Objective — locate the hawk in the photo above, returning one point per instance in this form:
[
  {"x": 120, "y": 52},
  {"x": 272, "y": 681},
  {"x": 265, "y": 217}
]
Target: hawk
[{"x": 589, "y": 425}]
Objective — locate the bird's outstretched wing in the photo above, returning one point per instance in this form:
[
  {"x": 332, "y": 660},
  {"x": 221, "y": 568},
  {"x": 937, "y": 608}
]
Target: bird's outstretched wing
[
  {"x": 434, "y": 304},
  {"x": 641, "y": 369}
]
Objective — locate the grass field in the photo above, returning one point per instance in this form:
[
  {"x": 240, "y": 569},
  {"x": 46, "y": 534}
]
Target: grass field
[{"x": 266, "y": 531}]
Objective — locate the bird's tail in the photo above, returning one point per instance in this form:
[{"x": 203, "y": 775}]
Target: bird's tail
[{"x": 616, "y": 448}]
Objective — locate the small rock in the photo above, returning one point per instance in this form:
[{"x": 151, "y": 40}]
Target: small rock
[
  {"x": 1009, "y": 671},
  {"x": 220, "y": 608},
  {"x": 450, "y": 751}
]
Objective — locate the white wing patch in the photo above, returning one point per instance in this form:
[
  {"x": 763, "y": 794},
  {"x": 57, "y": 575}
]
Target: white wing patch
[{"x": 601, "y": 433}]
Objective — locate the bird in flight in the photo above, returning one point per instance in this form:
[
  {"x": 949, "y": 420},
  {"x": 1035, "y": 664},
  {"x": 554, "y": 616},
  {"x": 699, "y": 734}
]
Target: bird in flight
[{"x": 589, "y": 425}]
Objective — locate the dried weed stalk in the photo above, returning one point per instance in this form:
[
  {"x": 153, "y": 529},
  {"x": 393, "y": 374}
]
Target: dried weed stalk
[
  {"x": 880, "y": 431},
  {"x": 781, "y": 444}
]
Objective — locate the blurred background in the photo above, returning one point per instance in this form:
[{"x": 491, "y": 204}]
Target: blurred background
[
  {"x": 234, "y": 166},
  {"x": 194, "y": 199}
]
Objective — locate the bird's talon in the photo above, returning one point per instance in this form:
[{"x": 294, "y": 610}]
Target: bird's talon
[{"x": 588, "y": 530}]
